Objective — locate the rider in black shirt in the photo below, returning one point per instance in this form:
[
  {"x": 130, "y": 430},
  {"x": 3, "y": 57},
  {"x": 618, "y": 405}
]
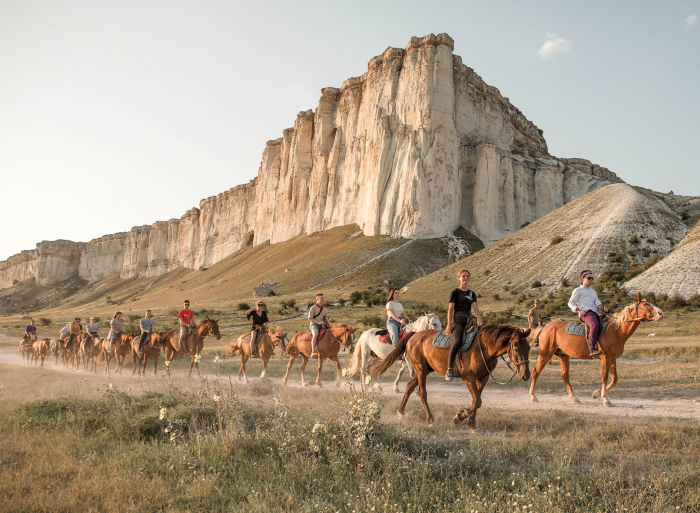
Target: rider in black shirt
[
  {"x": 260, "y": 321},
  {"x": 459, "y": 317}
]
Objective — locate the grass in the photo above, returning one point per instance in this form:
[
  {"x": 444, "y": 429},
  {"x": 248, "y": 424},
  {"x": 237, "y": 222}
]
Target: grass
[{"x": 218, "y": 448}]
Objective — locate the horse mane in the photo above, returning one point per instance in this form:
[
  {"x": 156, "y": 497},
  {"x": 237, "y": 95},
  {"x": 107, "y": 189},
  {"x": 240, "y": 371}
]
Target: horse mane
[
  {"x": 621, "y": 316},
  {"x": 496, "y": 333}
]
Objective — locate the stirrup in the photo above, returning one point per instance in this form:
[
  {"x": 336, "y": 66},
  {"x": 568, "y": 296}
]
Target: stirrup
[
  {"x": 449, "y": 374},
  {"x": 594, "y": 352}
]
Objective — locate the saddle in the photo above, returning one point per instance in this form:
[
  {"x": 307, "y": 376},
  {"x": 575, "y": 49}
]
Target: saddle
[
  {"x": 260, "y": 334},
  {"x": 581, "y": 329},
  {"x": 384, "y": 336},
  {"x": 442, "y": 340},
  {"x": 307, "y": 335}
]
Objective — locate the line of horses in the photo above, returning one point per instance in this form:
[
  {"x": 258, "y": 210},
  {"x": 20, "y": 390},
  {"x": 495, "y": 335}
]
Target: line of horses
[{"x": 372, "y": 357}]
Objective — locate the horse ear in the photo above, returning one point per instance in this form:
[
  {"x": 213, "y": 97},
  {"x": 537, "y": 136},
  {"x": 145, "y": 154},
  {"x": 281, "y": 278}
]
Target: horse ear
[
  {"x": 639, "y": 297},
  {"x": 527, "y": 332}
]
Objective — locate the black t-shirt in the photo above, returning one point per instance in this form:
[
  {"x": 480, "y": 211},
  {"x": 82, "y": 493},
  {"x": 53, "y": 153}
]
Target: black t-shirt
[
  {"x": 258, "y": 320},
  {"x": 463, "y": 300}
]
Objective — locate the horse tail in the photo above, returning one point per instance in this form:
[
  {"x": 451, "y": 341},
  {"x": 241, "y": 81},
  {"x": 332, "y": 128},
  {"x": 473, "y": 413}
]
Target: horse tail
[
  {"x": 356, "y": 360},
  {"x": 233, "y": 348},
  {"x": 378, "y": 367}
]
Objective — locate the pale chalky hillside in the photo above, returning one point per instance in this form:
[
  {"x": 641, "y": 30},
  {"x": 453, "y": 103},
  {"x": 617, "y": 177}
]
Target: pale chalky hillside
[{"x": 580, "y": 235}]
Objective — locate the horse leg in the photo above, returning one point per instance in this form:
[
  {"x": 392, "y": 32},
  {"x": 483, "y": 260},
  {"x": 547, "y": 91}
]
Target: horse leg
[
  {"x": 289, "y": 367},
  {"x": 606, "y": 371},
  {"x": 265, "y": 358},
  {"x": 564, "y": 362},
  {"x": 189, "y": 373},
  {"x": 155, "y": 366},
  {"x": 395, "y": 387},
  {"x": 475, "y": 387},
  {"x": 424, "y": 395},
  {"x": 304, "y": 361},
  {"x": 409, "y": 390},
  {"x": 338, "y": 371},
  {"x": 320, "y": 368},
  {"x": 135, "y": 360},
  {"x": 541, "y": 363},
  {"x": 613, "y": 371},
  {"x": 241, "y": 371}
]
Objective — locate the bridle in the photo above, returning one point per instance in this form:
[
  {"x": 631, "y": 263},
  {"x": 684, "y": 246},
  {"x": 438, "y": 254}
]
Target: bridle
[
  {"x": 346, "y": 331},
  {"x": 517, "y": 364},
  {"x": 646, "y": 317}
]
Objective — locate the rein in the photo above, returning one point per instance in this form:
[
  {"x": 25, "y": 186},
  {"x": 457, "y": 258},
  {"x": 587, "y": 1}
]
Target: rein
[
  {"x": 515, "y": 371},
  {"x": 642, "y": 319}
]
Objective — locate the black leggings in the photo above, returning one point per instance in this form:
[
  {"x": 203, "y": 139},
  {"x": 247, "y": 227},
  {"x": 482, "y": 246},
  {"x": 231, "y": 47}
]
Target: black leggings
[{"x": 456, "y": 338}]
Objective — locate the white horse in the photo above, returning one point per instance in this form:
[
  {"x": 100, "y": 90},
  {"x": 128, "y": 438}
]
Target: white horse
[{"x": 369, "y": 343}]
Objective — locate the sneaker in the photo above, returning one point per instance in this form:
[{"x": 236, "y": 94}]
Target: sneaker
[
  {"x": 314, "y": 355},
  {"x": 595, "y": 352},
  {"x": 449, "y": 375}
]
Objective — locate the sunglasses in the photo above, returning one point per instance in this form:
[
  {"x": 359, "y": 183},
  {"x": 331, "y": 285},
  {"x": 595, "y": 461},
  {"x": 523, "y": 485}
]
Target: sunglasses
[
  {"x": 259, "y": 304},
  {"x": 589, "y": 278}
]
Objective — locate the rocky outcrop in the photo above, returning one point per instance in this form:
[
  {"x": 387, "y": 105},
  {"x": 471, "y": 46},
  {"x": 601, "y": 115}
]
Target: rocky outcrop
[
  {"x": 678, "y": 274},
  {"x": 416, "y": 147},
  {"x": 51, "y": 262}
]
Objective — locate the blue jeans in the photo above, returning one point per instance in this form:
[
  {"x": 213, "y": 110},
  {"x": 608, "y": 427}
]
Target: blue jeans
[{"x": 393, "y": 326}]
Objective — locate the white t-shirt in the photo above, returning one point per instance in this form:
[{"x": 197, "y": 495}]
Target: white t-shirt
[{"x": 396, "y": 307}]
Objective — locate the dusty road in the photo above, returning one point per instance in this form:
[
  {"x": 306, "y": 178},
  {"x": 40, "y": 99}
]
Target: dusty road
[{"x": 511, "y": 397}]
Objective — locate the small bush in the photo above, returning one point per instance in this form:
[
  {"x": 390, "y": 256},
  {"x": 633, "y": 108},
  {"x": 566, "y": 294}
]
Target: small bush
[
  {"x": 342, "y": 301},
  {"x": 536, "y": 284},
  {"x": 634, "y": 240},
  {"x": 487, "y": 272},
  {"x": 564, "y": 282},
  {"x": 243, "y": 306},
  {"x": 694, "y": 300},
  {"x": 614, "y": 257},
  {"x": 556, "y": 240},
  {"x": 685, "y": 215},
  {"x": 44, "y": 321},
  {"x": 496, "y": 297},
  {"x": 355, "y": 297}
]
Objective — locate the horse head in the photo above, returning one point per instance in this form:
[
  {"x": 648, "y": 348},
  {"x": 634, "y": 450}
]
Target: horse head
[
  {"x": 642, "y": 311},
  {"x": 519, "y": 352},
  {"x": 233, "y": 347},
  {"x": 278, "y": 337},
  {"x": 345, "y": 334},
  {"x": 213, "y": 325}
]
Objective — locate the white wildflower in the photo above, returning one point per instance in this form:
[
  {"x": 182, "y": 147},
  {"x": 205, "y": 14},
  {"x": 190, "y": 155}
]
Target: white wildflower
[
  {"x": 217, "y": 398},
  {"x": 163, "y": 411},
  {"x": 368, "y": 379}
]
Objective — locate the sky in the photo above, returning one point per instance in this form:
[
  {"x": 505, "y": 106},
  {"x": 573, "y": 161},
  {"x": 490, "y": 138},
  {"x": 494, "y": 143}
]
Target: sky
[{"x": 120, "y": 114}]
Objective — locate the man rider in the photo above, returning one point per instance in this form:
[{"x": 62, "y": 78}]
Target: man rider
[
  {"x": 584, "y": 301},
  {"x": 534, "y": 316},
  {"x": 318, "y": 319},
  {"x": 146, "y": 324},
  {"x": 186, "y": 318}
]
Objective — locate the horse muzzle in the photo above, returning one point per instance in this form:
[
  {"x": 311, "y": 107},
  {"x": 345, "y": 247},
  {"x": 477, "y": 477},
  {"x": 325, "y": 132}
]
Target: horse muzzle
[{"x": 524, "y": 375}]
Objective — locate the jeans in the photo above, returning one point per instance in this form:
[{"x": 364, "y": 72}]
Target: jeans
[
  {"x": 144, "y": 338},
  {"x": 591, "y": 318},
  {"x": 393, "y": 326}
]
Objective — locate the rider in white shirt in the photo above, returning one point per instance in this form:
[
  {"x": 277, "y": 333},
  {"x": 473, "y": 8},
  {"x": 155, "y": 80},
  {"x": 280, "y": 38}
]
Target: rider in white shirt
[{"x": 584, "y": 301}]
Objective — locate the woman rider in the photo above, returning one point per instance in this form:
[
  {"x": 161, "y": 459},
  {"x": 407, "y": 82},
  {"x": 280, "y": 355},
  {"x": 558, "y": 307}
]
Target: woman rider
[
  {"x": 396, "y": 317},
  {"x": 93, "y": 330},
  {"x": 260, "y": 321},
  {"x": 70, "y": 332},
  {"x": 459, "y": 315},
  {"x": 115, "y": 329}
]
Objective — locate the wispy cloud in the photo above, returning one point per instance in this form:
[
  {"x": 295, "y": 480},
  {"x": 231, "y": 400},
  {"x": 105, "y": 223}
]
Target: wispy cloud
[
  {"x": 554, "y": 45},
  {"x": 690, "y": 20}
]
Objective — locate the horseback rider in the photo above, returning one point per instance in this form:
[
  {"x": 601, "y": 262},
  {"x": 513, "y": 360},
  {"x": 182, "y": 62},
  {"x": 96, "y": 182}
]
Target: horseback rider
[
  {"x": 29, "y": 334},
  {"x": 186, "y": 318},
  {"x": 70, "y": 331},
  {"x": 584, "y": 301},
  {"x": 459, "y": 317},
  {"x": 534, "y": 316},
  {"x": 318, "y": 319},
  {"x": 260, "y": 321},
  {"x": 115, "y": 329},
  {"x": 396, "y": 316},
  {"x": 93, "y": 331},
  {"x": 146, "y": 324}
]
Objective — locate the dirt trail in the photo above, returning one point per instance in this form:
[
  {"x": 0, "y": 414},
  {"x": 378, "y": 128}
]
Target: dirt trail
[{"x": 512, "y": 397}]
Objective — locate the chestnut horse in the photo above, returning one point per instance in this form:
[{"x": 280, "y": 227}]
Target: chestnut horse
[
  {"x": 90, "y": 354},
  {"x": 192, "y": 345},
  {"x": 272, "y": 337},
  {"x": 477, "y": 363},
  {"x": 122, "y": 346},
  {"x": 328, "y": 346},
  {"x": 620, "y": 327},
  {"x": 26, "y": 348},
  {"x": 151, "y": 349},
  {"x": 39, "y": 350}
]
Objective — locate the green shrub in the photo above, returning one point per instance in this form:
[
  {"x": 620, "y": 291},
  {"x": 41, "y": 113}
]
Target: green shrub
[
  {"x": 634, "y": 240},
  {"x": 242, "y": 306},
  {"x": 496, "y": 297},
  {"x": 355, "y": 297},
  {"x": 44, "y": 321},
  {"x": 556, "y": 240},
  {"x": 536, "y": 284}
]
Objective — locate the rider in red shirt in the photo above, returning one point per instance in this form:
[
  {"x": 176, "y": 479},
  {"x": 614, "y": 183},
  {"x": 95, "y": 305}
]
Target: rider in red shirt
[{"x": 186, "y": 317}]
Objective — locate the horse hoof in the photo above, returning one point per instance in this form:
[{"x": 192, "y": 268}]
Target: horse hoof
[
  {"x": 607, "y": 403},
  {"x": 400, "y": 414},
  {"x": 456, "y": 420},
  {"x": 319, "y": 385},
  {"x": 337, "y": 384},
  {"x": 596, "y": 394},
  {"x": 396, "y": 390},
  {"x": 533, "y": 399},
  {"x": 575, "y": 400}
]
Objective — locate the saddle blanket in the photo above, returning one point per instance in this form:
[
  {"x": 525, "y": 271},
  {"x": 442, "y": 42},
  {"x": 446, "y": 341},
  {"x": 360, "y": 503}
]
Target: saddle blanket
[
  {"x": 260, "y": 334},
  {"x": 442, "y": 340},
  {"x": 307, "y": 335},
  {"x": 574, "y": 329},
  {"x": 384, "y": 337}
]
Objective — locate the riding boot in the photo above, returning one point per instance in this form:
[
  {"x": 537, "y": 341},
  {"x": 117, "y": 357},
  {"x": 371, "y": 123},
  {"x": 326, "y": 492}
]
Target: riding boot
[{"x": 454, "y": 349}]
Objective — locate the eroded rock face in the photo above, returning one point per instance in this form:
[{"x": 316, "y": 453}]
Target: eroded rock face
[
  {"x": 416, "y": 147},
  {"x": 50, "y": 263}
]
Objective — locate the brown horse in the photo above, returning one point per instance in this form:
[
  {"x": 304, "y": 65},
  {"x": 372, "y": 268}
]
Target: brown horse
[
  {"x": 89, "y": 355},
  {"x": 39, "y": 350},
  {"x": 151, "y": 349},
  {"x": 122, "y": 346},
  {"x": 269, "y": 339},
  {"x": 192, "y": 345},
  {"x": 612, "y": 342},
  {"x": 477, "y": 363},
  {"x": 328, "y": 346},
  {"x": 26, "y": 348}
]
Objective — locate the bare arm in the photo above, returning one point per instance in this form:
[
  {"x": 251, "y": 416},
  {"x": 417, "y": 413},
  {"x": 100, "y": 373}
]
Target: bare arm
[
  {"x": 450, "y": 318},
  {"x": 479, "y": 322}
]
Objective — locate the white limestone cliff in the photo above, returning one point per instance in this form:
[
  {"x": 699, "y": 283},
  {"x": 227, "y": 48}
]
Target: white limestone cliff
[{"x": 416, "y": 147}]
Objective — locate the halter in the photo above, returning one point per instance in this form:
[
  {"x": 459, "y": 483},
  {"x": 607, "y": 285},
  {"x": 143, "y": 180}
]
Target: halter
[
  {"x": 515, "y": 371},
  {"x": 330, "y": 330},
  {"x": 646, "y": 317}
]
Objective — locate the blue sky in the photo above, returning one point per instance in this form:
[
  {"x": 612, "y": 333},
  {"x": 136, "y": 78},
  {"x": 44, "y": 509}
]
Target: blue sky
[{"x": 118, "y": 114}]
